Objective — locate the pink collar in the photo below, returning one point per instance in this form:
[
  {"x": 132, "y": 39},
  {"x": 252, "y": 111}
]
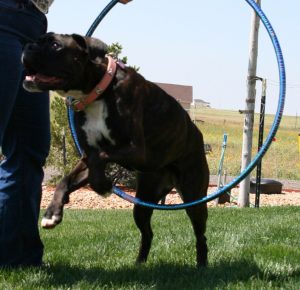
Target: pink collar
[{"x": 79, "y": 105}]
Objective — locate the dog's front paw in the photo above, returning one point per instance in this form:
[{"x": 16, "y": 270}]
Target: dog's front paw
[
  {"x": 52, "y": 217},
  {"x": 47, "y": 223},
  {"x": 102, "y": 187}
]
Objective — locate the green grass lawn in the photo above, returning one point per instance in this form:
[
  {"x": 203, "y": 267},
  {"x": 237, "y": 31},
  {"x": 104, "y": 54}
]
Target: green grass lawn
[{"x": 248, "y": 249}]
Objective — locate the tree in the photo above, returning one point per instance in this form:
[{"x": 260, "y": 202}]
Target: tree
[{"x": 63, "y": 154}]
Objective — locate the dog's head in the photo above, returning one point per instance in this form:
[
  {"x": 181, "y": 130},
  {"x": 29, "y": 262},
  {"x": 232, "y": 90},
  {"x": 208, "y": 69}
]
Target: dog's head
[{"x": 61, "y": 62}]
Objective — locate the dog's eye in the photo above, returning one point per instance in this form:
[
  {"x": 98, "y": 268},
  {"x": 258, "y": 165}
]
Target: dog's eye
[{"x": 55, "y": 45}]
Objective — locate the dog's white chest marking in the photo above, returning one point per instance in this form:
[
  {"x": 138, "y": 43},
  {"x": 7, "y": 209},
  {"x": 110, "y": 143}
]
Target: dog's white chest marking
[{"x": 95, "y": 125}]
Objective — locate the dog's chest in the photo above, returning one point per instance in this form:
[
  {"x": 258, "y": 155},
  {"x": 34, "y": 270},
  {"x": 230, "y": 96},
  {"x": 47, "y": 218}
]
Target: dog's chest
[{"x": 95, "y": 125}]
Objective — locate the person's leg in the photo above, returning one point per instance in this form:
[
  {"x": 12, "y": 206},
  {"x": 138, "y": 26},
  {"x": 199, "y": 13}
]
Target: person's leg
[
  {"x": 10, "y": 171},
  {"x": 25, "y": 146},
  {"x": 10, "y": 76},
  {"x": 25, "y": 138},
  {"x": 32, "y": 123}
]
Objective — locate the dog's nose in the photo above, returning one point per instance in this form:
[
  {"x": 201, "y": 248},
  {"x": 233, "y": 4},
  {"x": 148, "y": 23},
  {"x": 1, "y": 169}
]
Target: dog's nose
[
  {"x": 31, "y": 46},
  {"x": 29, "y": 51}
]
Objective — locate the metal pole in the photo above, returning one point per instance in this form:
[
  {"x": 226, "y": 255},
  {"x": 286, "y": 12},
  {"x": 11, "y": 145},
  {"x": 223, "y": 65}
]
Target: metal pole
[
  {"x": 243, "y": 199},
  {"x": 260, "y": 140},
  {"x": 64, "y": 149},
  {"x": 220, "y": 169}
]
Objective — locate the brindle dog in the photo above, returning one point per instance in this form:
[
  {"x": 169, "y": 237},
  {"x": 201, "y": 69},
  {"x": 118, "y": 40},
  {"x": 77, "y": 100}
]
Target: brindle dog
[{"x": 133, "y": 123}]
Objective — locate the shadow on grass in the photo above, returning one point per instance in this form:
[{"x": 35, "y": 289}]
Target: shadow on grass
[{"x": 161, "y": 276}]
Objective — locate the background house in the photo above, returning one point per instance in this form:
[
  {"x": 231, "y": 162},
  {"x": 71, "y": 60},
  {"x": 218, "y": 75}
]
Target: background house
[
  {"x": 198, "y": 103},
  {"x": 183, "y": 94}
]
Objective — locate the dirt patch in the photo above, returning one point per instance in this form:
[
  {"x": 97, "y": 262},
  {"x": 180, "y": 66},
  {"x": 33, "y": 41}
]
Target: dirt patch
[{"x": 87, "y": 199}]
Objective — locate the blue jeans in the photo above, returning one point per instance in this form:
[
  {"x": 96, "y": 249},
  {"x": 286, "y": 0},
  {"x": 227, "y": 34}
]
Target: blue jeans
[{"x": 24, "y": 138}]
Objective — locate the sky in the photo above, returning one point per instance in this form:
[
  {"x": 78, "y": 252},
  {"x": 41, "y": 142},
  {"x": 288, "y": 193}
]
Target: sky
[{"x": 204, "y": 44}]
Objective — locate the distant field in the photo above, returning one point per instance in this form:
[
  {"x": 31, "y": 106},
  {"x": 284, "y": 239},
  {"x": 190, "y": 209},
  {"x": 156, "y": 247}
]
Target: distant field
[{"x": 282, "y": 161}]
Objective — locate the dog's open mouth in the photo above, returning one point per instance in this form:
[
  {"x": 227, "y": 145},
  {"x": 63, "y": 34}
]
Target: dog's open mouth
[
  {"x": 37, "y": 82},
  {"x": 40, "y": 79}
]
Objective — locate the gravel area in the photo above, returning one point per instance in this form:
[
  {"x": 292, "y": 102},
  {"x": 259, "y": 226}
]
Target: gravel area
[{"x": 87, "y": 199}]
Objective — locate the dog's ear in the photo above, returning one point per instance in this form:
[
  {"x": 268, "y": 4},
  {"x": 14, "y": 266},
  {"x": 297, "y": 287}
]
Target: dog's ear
[
  {"x": 80, "y": 40},
  {"x": 96, "y": 49}
]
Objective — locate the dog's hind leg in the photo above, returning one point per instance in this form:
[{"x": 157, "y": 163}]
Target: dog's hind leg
[
  {"x": 142, "y": 218},
  {"x": 77, "y": 178},
  {"x": 193, "y": 186},
  {"x": 198, "y": 217},
  {"x": 150, "y": 188}
]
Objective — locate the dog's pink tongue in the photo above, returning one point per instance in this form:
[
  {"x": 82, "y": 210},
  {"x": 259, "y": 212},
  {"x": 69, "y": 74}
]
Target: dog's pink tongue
[
  {"x": 40, "y": 78},
  {"x": 29, "y": 78},
  {"x": 44, "y": 78}
]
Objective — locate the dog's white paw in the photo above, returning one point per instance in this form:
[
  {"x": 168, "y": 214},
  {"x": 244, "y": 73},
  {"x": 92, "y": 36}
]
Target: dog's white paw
[{"x": 50, "y": 223}]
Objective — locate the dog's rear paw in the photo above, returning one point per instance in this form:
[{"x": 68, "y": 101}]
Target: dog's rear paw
[{"x": 47, "y": 223}]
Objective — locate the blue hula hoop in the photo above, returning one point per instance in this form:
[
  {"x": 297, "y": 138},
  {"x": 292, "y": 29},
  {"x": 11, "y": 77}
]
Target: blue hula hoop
[{"x": 259, "y": 155}]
